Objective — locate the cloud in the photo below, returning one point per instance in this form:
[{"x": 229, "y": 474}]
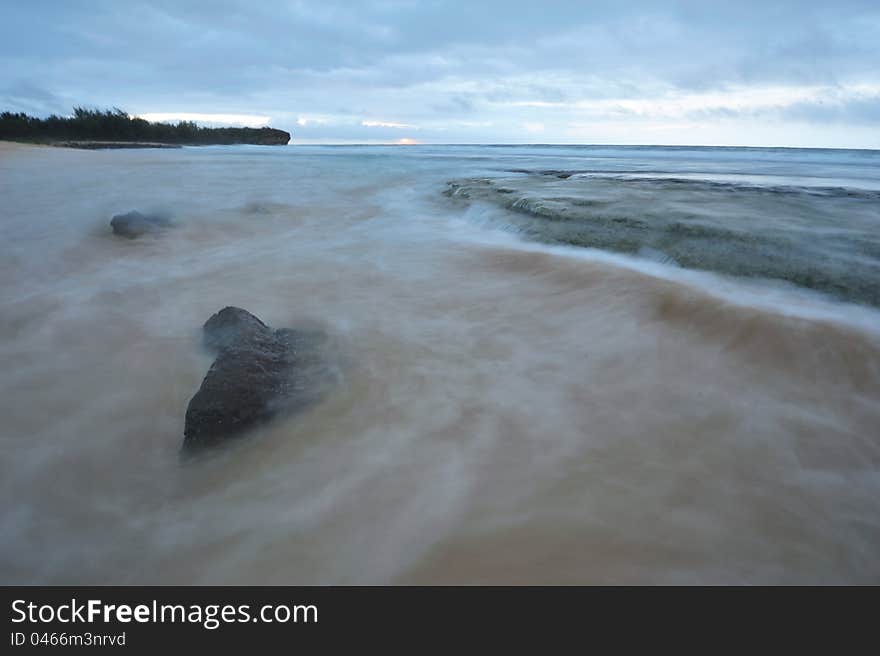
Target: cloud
[
  {"x": 851, "y": 109},
  {"x": 28, "y": 97},
  {"x": 386, "y": 124},
  {"x": 241, "y": 120},
  {"x": 460, "y": 71}
]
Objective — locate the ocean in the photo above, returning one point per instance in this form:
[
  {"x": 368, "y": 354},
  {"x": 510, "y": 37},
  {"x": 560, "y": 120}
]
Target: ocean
[{"x": 556, "y": 365}]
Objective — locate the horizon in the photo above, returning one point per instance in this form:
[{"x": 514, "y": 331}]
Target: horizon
[
  {"x": 759, "y": 75},
  {"x": 411, "y": 143}
]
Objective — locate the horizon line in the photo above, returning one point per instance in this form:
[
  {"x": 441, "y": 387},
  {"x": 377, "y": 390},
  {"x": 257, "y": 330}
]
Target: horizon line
[{"x": 583, "y": 145}]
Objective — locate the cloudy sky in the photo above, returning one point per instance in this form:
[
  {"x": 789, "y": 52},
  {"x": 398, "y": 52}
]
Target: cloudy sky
[{"x": 736, "y": 72}]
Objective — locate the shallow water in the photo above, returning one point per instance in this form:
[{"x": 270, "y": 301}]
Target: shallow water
[{"x": 509, "y": 411}]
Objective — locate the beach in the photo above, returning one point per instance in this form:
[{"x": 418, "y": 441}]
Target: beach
[{"x": 556, "y": 365}]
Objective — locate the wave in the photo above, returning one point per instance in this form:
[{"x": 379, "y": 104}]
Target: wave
[{"x": 769, "y": 337}]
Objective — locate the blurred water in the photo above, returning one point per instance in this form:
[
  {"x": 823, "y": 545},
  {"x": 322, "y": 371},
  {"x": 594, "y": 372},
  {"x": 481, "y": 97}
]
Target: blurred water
[{"x": 510, "y": 410}]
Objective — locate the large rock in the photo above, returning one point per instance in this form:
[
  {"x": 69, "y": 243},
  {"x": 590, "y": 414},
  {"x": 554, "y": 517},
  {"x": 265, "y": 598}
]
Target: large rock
[
  {"x": 258, "y": 373},
  {"x": 135, "y": 224}
]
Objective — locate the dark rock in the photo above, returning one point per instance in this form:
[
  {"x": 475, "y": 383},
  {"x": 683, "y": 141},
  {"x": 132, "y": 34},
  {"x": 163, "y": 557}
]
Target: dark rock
[
  {"x": 258, "y": 373},
  {"x": 232, "y": 324},
  {"x": 267, "y": 137},
  {"x": 135, "y": 224}
]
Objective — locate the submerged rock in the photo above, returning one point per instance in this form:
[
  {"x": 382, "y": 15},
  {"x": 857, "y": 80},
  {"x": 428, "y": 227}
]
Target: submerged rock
[
  {"x": 258, "y": 373},
  {"x": 135, "y": 224}
]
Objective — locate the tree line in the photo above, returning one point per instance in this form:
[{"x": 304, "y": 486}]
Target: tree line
[{"x": 117, "y": 125}]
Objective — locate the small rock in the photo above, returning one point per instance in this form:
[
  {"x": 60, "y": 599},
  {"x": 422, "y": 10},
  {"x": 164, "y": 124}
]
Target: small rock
[{"x": 135, "y": 224}]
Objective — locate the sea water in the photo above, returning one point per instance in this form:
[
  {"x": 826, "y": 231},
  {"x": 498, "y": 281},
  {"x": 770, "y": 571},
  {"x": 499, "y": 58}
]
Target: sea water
[{"x": 557, "y": 365}]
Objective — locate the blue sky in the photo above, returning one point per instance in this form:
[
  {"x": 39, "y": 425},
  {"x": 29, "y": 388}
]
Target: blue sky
[{"x": 735, "y": 73}]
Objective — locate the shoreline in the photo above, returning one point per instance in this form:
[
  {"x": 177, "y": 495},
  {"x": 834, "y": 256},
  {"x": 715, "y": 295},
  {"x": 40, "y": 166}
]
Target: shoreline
[
  {"x": 110, "y": 145},
  {"x": 7, "y": 144}
]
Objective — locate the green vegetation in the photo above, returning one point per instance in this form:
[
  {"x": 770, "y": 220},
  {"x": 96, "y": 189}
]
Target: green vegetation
[{"x": 117, "y": 126}]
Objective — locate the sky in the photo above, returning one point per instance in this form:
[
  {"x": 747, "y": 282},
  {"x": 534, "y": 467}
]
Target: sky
[{"x": 768, "y": 73}]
